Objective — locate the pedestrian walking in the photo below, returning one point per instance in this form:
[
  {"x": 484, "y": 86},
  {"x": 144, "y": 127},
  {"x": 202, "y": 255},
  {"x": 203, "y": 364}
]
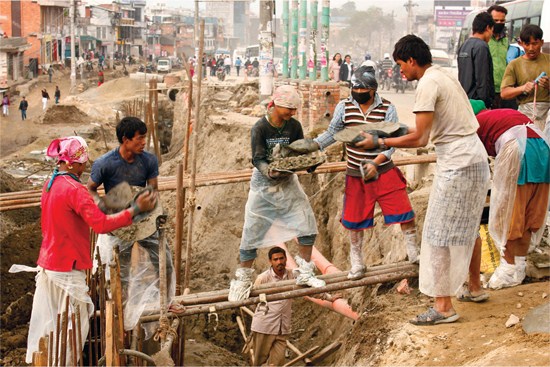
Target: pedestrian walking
[
  {"x": 23, "y": 105},
  {"x": 57, "y": 94},
  {"x": 45, "y": 97},
  {"x": 238, "y": 64},
  {"x": 50, "y": 73},
  {"x": 5, "y": 105}
]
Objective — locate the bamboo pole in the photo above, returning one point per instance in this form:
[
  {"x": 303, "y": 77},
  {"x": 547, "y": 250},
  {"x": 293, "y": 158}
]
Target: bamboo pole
[
  {"x": 325, "y": 352},
  {"x": 79, "y": 336},
  {"x": 200, "y": 309},
  {"x": 301, "y": 356},
  {"x": 57, "y": 339},
  {"x": 192, "y": 186},
  {"x": 282, "y": 286},
  {"x": 116, "y": 291},
  {"x": 64, "y": 328},
  {"x": 180, "y": 204},
  {"x": 216, "y": 178},
  {"x": 110, "y": 354},
  {"x": 50, "y": 349}
]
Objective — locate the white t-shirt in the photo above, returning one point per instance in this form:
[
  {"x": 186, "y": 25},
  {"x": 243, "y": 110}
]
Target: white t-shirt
[{"x": 440, "y": 92}]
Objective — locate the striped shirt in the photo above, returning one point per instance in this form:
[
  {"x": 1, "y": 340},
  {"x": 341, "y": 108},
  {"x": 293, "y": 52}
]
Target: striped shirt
[{"x": 348, "y": 113}]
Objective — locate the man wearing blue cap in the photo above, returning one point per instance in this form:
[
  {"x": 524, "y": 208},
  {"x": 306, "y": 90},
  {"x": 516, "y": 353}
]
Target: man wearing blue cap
[{"x": 371, "y": 176}]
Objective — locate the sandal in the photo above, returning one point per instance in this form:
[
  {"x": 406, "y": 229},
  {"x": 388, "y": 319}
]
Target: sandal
[
  {"x": 464, "y": 295},
  {"x": 433, "y": 317}
]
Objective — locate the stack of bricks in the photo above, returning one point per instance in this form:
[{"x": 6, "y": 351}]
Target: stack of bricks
[{"x": 319, "y": 99}]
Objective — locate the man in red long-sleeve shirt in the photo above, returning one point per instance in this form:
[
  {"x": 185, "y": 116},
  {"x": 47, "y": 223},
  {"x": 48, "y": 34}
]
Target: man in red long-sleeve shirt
[{"x": 68, "y": 212}]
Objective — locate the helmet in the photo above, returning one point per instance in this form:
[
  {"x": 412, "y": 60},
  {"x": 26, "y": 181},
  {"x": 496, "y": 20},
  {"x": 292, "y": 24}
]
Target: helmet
[
  {"x": 369, "y": 63},
  {"x": 386, "y": 55},
  {"x": 367, "y": 56}
]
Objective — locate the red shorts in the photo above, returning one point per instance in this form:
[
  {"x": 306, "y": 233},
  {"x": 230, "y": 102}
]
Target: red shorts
[{"x": 390, "y": 193}]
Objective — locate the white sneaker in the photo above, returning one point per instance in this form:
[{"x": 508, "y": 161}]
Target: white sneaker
[
  {"x": 357, "y": 272},
  {"x": 504, "y": 276},
  {"x": 240, "y": 287}
]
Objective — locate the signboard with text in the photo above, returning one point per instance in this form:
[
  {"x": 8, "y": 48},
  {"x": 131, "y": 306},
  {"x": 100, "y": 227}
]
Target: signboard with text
[{"x": 449, "y": 17}]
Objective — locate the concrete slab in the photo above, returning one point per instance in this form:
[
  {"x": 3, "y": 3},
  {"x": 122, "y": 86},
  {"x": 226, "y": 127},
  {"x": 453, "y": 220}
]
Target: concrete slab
[{"x": 537, "y": 320}]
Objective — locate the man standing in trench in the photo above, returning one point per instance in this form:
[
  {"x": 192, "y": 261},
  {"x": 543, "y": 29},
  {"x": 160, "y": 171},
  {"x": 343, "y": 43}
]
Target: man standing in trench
[
  {"x": 371, "y": 177},
  {"x": 444, "y": 115}
]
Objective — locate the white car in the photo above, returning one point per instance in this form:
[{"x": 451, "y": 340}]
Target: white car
[
  {"x": 164, "y": 65},
  {"x": 442, "y": 58}
]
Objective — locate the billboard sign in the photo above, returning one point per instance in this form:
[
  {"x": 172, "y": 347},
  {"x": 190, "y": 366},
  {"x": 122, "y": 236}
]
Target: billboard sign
[{"x": 449, "y": 17}]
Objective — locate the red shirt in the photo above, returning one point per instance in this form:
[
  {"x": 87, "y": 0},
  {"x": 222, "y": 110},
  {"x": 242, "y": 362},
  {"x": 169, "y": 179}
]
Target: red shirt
[
  {"x": 68, "y": 212},
  {"x": 494, "y": 123}
]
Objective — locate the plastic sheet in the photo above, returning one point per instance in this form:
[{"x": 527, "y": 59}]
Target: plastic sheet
[
  {"x": 510, "y": 149},
  {"x": 452, "y": 219},
  {"x": 276, "y": 211},
  {"x": 52, "y": 288},
  {"x": 139, "y": 273},
  {"x": 539, "y": 116}
]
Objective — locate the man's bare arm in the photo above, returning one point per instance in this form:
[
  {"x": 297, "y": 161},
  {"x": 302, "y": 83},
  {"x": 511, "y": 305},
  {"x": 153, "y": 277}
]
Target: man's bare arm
[{"x": 153, "y": 182}]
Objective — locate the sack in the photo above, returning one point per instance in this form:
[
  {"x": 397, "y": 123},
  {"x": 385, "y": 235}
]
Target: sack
[{"x": 490, "y": 257}]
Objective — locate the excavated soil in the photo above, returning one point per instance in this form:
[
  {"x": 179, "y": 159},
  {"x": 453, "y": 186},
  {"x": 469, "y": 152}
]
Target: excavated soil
[{"x": 381, "y": 336}]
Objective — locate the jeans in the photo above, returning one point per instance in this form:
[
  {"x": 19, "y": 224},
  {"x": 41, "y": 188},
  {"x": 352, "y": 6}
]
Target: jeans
[{"x": 23, "y": 114}]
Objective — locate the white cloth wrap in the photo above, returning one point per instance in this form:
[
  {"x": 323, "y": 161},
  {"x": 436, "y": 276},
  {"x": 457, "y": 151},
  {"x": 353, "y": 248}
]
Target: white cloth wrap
[
  {"x": 453, "y": 215},
  {"x": 139, "y": 277},
  {"x": 510, "y": 148},
  {"x": 276, "y": 212},
  {"x": 52, "y": 288}
]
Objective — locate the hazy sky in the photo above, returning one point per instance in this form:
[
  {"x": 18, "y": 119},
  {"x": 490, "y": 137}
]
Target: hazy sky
[{"x": 387, "y": 5}]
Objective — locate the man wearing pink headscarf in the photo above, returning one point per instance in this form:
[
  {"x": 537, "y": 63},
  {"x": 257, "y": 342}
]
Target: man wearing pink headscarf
[{"x": 68, "y": 212}]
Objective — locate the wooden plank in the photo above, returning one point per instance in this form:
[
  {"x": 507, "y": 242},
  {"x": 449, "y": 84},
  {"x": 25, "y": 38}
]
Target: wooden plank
[{"x": 325, "y": 352}]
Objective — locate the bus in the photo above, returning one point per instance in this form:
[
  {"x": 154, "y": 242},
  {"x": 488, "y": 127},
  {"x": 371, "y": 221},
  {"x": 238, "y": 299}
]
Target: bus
[
  {"x": 253, "y": 52},
  {"x": 520, "y": 12}
]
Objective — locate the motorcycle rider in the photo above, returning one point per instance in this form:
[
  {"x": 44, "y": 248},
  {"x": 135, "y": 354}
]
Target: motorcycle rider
[{"x": 386, "y": 64}]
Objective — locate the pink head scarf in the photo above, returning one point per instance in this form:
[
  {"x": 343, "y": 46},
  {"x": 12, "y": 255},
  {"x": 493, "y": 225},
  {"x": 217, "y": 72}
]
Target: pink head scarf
[
  {"x": 71, "y": 149},
  {"x": 286, "y": 96}
]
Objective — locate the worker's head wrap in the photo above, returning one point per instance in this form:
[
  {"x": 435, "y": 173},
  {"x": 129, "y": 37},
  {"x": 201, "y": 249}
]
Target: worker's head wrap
[
  {"x": 72, "y": 149},
  {"x": 286, "y": 96},
  {"x": 477, "y": 105},
  {"x": 364, "y": 78}
]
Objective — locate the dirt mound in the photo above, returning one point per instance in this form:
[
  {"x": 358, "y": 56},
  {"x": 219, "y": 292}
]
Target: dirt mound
[
  {"x": 8, "y": 183},
  {"x": 65, "y": 114},
  {"x": 115, "y": 90}
]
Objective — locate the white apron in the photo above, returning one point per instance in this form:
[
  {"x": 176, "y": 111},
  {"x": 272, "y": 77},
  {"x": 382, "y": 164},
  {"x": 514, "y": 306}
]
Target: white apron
[{"x": 454, "y": 212}]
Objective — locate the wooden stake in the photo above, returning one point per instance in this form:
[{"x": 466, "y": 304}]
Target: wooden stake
[
  {"x": 302, "y": 356},
  {"x": 180, "y": 205},
  {"x": 116, "y": 292},
  {"x": 57, "y": 339},
  {"x": 196, "y": 131},
  {"x": 79, "y": 345},
  {"x": 111, "y": 351},
  {"x": 64, "y": 328},
  {"x": 325, "y": 352},
  {"x": 50, "y": 349}
]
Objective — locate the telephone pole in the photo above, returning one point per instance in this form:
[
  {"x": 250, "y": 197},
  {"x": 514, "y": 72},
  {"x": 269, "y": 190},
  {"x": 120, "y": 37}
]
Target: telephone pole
[{"x": 409, "y": 6}]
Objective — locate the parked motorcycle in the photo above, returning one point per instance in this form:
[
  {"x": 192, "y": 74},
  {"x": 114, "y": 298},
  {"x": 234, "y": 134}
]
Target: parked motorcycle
[
  {"x": 252, "y": 71},
  {"x": 146, "y": 68}
]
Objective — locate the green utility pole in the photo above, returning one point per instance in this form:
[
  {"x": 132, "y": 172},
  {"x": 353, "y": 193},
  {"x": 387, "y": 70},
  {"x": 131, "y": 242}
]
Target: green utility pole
[
  {"x": 286, "y": 34},
  {"x": 302, "y": 62},
  {"x": 325, "y": 20},
  {"x": 312, "y": 62},
  {"x": 294, "y": 39}
]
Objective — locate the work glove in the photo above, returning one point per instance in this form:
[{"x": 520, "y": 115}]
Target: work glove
[
  {"x": 304, "y": 146},
  {"x": 369, "y": 170}
]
